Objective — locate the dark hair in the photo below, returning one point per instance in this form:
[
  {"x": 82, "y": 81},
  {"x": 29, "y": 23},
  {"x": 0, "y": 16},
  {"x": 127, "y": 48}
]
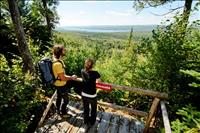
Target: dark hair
[
  {"x": 57, "y": 50},
  {"x": 88, "y": 66}
]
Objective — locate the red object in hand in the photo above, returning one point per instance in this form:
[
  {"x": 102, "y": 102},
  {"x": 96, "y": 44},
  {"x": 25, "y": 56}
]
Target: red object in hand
[{"x": 104, "y": 86}]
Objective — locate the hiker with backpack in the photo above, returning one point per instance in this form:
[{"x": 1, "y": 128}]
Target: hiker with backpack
[{"x": 61, "y": 83}]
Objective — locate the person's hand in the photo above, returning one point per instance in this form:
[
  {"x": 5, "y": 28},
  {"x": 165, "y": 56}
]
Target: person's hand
[{"x": 74, "y": 77}]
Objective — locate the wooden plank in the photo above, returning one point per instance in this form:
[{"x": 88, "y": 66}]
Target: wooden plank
[
  {"x": 76, "y": 108},
  {"x": 152, "y": 111},
  {"x": 47, "y": 109},
  {"x": 117, "y": 107},
  {"x": 165, "y": 117},
  {"x": 78, "y": 123},
  {"x": 83, "y": 129},
  {"x": 145, "y": 92},
  {"x": 65, "y": 125},
  {"x": 72, "y": 120},
  {"x": 104, "y": 123},
  {"x": 52, "y": 126},
  {"x": 53, "y": 129},
  {"x": 69, "y": 124},
  {"x": 62, "y": 126},
  {"x": 47, "y": 125},
  {"x": 132, "y": 126},
  {"x": 114, "y": 127},
  {"x": 94, "y": 128},
  {"x": 123, "y": 125},
  {"x": 55, "y": 124},
  {"x": 59, "y": 124},
  {"x": 136, "y": 126}
]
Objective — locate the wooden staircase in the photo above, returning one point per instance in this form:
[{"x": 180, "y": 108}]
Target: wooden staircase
[{"x": 106, "y": 121}]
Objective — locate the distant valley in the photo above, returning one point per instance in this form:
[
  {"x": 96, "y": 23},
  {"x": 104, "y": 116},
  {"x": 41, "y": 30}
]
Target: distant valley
[{"x": 108, "y": 28}]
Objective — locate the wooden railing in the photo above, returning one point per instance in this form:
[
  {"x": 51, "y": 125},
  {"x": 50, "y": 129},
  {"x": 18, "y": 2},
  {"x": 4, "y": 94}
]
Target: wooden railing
[
  {"x": 165, "y": 117},
  {"x": 158, "y": 98}
]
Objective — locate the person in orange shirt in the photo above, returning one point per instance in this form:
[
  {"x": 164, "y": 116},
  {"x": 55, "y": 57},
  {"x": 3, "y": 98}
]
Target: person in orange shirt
[{"x": 60, "y": 84}]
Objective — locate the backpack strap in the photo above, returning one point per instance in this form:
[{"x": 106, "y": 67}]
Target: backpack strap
[{"x": 57, "y": 78}]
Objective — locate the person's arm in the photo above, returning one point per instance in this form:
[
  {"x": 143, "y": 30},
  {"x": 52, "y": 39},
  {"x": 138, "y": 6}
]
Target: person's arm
[
  {"x": 64, "y": 77},
  {"x": 98, "y": 76},
  {"x": 98, "y": 80},
  {"x": 58, "y": 68},
  {"x": 79, "y": 79}
]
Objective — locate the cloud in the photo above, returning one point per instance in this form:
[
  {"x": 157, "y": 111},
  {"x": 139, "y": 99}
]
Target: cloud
[
  {"x": 115, "y": 13},
  {"x": 75, "y": 22},
  {"x": 82, "y": 12}
]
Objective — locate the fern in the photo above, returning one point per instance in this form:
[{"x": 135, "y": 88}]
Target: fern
[{"x": 190, "y": 121}]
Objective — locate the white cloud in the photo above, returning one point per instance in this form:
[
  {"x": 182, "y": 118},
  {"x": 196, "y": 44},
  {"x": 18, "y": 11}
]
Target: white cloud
[
  {"x": 131, "y": 11},
  {"x": 74, "y": 22},
  {"x": 115, "y": 13},
  {"x": 82, "y": 12}
]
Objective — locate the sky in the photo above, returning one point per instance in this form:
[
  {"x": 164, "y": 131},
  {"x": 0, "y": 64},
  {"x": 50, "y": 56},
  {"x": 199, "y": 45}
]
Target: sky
[{"x": 87, "y": 13}]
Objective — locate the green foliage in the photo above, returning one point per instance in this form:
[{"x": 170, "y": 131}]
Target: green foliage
[
  {"x": 194, "y": 74},
  {"x": 168, "y": 54},
  {"x": 74, "y": 61},
  {"x": 189, "y": 121},
  {"x": 33, "y": 19},
  {"x": 172, "y": 51},
  {"x": 17, "y": 98},
  {"x": 8, "y": 43},
  {"x": 35, "y": 27},
  {"x": 141, "y": 4}
]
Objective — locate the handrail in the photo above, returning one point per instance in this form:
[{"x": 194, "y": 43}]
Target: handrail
[
  {"x": 152, "y": 114},
  {"x": 47, "y": 109},
  {"x": 146, "y": 92},
  {"x": 141, "y": 91},
  {"x": 165, "y": 117}
]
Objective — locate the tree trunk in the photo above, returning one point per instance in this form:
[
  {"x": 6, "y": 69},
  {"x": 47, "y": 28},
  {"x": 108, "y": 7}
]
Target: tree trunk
[
  {"x": 19, "y": 30},
  {"x": 186, "y": 12},
  {"x": 47, "y": 17}
]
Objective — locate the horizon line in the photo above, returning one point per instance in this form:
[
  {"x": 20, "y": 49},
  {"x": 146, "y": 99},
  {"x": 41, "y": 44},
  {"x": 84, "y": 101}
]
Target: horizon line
[{"x": 111, "y": 25}]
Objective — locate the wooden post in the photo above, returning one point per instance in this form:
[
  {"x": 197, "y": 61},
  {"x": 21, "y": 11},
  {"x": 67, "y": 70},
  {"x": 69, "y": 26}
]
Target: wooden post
[
  {"x": 47, "y": 109},
  {"x": 165, "y": 117},
  {"x": 152, "y": 111}
]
